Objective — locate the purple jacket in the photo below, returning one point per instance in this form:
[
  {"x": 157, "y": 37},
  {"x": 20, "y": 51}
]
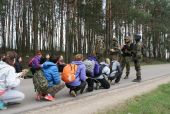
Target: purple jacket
[
  {"x": 80, "y": 74},
  {"x": 36, "y": 62},
  {"x": 96, "y": 66}
]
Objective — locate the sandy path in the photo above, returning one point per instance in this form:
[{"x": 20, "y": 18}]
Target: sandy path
[{"x": 103, "y": 100}]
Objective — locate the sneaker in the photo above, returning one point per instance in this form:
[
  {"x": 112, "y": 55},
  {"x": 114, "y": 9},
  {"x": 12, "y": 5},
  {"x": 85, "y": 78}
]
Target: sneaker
[
  {"x": 100, "y": 87},
  {"x": 110, "y": 82},
  {"x": 97, "y": 86},
  {"x": 2, "y": 105},
  {"x": 82, "y": 90},
  {"x": 49, "y": 97},
  {"x": 73, "y": 93}
]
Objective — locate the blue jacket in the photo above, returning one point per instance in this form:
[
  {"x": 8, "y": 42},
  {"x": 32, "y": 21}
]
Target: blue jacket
[
  {"x": 51, "y": 73},
  {"x": 80, "y": 73}
]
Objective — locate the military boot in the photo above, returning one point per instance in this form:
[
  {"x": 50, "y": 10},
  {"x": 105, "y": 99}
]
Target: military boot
[
  {"x": 127, "y": 75},
  {"x": 138, "y": 79}
]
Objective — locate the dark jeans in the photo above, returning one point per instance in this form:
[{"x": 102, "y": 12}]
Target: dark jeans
[
  {"x": 104, "y": 83},
  {"x": 90, "y": 83},
  {"x": 81, "y": 87},
  {"x": 116, "y": 77}
]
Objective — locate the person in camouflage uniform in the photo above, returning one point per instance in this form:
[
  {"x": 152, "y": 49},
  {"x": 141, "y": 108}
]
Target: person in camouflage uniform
[
  {"x": 100, "y": 48},
  {"x": 137, "y": 56},
  {"x": 115, "y": 49},
  {"x": 126, "y": 55}
]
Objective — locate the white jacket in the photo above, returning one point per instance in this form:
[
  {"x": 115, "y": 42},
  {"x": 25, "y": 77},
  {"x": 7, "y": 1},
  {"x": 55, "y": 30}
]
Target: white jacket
[
  {"x": 115, "y": 68},
  {"x": 8, "y": 75},
  {"x": 105, "y": 70}
]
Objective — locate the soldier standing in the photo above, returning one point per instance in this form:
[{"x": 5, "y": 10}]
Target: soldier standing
[
  {"x": 100, "y": 48},
  {"x": 115, "y": 49},
  {"x": 137, "y": 56},
  {"x": 126, "y": 55}
]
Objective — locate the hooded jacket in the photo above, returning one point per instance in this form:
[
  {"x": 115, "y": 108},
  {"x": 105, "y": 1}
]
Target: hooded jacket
[
  {"x": 115, "y": 68},
  {"x": 36, "y": 62},
  {"x": 51, "y": 73},
  {"x": 105, "y": 70},
  {"x": 8, "y": 75},
  {"x": 80, "y": 73}
]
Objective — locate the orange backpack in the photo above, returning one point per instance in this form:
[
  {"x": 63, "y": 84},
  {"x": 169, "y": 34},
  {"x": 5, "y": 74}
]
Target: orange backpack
[{"x": 69, "y": 73}]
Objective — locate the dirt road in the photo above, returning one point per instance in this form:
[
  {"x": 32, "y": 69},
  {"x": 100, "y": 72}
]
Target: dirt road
[{"x": 88, "y": 103}]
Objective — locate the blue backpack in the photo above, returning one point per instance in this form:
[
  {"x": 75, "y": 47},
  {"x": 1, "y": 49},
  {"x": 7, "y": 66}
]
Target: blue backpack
[{"x": 101, "y": 67}]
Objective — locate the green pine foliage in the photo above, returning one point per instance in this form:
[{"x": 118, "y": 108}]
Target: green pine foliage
[{"x": 72, "y": 26}]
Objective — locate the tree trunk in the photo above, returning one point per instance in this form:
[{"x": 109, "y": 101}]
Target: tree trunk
[
  {"x": 61, "y": 27},
  {"x": 35, "y": 6},
  {"x": 24, "y": 33}
]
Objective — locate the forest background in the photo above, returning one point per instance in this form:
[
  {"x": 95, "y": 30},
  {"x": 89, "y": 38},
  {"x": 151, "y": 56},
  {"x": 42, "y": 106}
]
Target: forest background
[{"x": 74, "y": 26}]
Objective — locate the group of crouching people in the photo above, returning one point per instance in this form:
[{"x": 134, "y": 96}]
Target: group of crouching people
[{"x": 88, "y": 71}]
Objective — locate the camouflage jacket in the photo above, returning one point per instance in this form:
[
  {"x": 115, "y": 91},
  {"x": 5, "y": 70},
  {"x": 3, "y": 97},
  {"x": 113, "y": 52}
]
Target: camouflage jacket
[
  {"x": 115, "y": 47},
  {"x": 137, "y": 50},
  {"x": 100, "y": 47},
  {"x": 127, "y": 49}
]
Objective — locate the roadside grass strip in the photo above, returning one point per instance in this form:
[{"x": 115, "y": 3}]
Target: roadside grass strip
[{"x": 155, "y": 102}]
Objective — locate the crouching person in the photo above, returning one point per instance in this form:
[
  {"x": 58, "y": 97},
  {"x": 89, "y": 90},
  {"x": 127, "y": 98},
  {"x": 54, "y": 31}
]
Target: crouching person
[
  {"x": 53, "y": 78},
  {"x": 77, "y": 79},
  {"x": 116, "y": 71},
  {"x": 104, "y": 74},
  {"x": 92, "y": 71},
  {"x": 9, "y": 81}
]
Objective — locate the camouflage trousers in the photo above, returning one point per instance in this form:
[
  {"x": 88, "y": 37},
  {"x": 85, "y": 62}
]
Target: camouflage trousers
[
  {"x": 125, "y": 62},
  {"x": 53, "y": 90},
  {"x": 137, "y": 65}
]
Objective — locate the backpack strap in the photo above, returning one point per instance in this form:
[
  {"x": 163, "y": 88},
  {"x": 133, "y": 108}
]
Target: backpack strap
[
  {"x": 74, "y": 69},
  {"x": 111, "y": 64}
]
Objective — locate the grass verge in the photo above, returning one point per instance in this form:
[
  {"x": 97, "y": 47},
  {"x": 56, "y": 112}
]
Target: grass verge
[{"x": 155, "y": 102}]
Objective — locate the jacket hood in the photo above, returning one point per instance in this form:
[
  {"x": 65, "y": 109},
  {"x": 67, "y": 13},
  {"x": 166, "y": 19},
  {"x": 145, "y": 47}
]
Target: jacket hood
[
  {"x": 92, "y": 58},
  {"x": 77, "y": 62},
  {"x": 37, "y": 57},
  {"x": 48, "y": 64},
  {"x": 3, "y": 65}
]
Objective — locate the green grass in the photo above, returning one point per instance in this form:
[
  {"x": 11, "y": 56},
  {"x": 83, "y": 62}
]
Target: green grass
[{"x": 155, "y": 102}]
